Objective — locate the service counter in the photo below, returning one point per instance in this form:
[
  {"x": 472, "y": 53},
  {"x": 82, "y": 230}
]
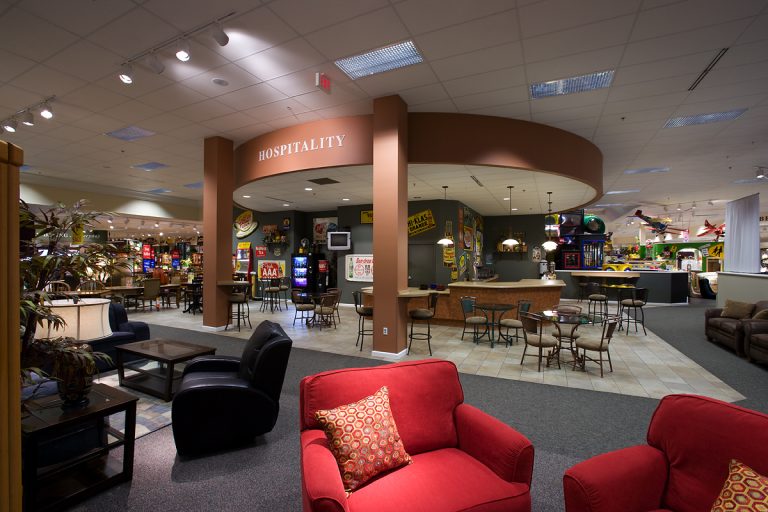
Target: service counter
[{"x": 666, "y": 287}]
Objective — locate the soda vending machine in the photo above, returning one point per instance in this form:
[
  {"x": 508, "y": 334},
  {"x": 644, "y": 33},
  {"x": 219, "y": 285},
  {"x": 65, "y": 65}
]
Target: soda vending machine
[{"x": 300, "y": 271}]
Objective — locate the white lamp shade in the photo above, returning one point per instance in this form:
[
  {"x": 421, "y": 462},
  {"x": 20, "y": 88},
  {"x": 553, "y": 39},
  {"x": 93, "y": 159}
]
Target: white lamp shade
[
  {"x": 87, "y": 320},
  {"x": 445, "y": 241},
  {"x": 510, "y": 242},
  {"x": 549, "y": 245}
]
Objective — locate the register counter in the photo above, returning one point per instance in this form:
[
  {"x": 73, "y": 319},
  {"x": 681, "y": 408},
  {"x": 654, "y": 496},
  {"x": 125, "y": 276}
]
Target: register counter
[{"x": 666, "y": 287}]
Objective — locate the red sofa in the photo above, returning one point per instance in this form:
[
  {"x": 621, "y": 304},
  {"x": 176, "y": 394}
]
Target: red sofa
[
  {"x": 463, "y": 459},
  {"x": 691, "y": 440}
]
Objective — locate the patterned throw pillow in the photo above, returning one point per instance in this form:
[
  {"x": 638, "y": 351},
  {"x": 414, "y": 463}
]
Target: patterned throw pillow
[
  {"x": 363, "y": 438},
  {"x": 744, "y": 489}
]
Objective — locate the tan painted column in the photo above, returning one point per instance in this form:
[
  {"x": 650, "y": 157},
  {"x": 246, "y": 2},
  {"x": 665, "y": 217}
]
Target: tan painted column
[
  {"x": 11, "y": 158},
  {"x": 390, "y": 237},
  {"x": 218, "y": 186}
]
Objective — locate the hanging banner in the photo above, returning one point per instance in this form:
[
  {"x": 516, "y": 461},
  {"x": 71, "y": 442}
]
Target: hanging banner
[
  {"x": 421, "y": 222},
  {"x": 359, "y": 267},
  {"x": 366, "y": 217},
  {"x": 245, "y": 224},
  {"x": 271, "y": 269}
]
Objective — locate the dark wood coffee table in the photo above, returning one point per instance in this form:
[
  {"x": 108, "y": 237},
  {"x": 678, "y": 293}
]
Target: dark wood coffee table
[{"x": 156, "y": 380}]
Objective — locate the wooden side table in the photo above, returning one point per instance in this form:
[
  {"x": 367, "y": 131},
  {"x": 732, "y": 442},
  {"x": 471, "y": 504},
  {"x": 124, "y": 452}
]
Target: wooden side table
[{"x": 85, "y": 443}]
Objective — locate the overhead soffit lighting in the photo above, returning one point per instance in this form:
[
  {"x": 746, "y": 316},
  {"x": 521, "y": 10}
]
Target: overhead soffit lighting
[
  {"x": 614, "y": 192},
  {"x": 383, "y": 59},
  {"x": 647, "y": 170},
  {"x": 572, "y": 85},
  {"x": 714, "y": 117}
]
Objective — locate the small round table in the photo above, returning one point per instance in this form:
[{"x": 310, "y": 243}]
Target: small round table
[{"x": 493, "y": 308}]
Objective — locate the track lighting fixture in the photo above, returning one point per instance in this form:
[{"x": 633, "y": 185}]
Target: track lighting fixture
[
  {"x": 182, "y": 50},
  {"x": 9, "y": 125},
  {"x": 154, "y": 63},
  {"x": 27, "y": 118},
  {"x": 47, "y": 111},
  {"x": 760, "y": 172},
  {"x": 219, "y": 35},
  {"x": 26, "y": 115},
  {"x": 126, "y": 74}
]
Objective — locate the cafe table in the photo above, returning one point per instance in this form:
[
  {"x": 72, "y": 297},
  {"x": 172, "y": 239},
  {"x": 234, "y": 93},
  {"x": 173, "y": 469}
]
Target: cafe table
[
  {"x": 494, "y": 308},
  {"x": 617, "y": 289},
  {"x": 571, "y": 321}
]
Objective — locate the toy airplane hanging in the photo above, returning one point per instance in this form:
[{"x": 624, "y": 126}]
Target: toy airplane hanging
[
  {"x": 710, "y": 229},
  {"x": 657, "y": 224}
]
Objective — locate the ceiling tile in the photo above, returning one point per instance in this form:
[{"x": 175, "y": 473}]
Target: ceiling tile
[
  {"x": 757, "y": 30},
  {"x": 404, "y": 78},
  {"x": 136, "y": 31},
  {"x": 230, "y": 121},
  {"x": 569, "y": 101},
  {"x": 651, "y": 88},
  {"x": 446, "y": 105},
  {"x": 580, "y": 39},
  {"x": 479, "y": 61},
  {"x": 208, "y": 109},
  {"x": 172, "y": 97},
  {"x": 144, "y": 82},
  {"x": 281, "y": 60},
  {"x": 283, "y": 122},
  {"x": 519, "y": 110},
  {"x": 131, "y": 112},
  {"x": 276, "y": 110},
  {"x": 79, "y": 16},
  {"x": 29, "y": 36},
  {"x": 423, "y": 94},
  {"x": 236, "y": 76},
  {"x": 483, "y": 82},
  {"x": 94, "y": 98},
  {"x": 321, "y": 100},
  {"x": 574, "y": 65},
  {"x": 426, "y": 15},
  {"x": 555, "y": 15},
  {"x": 85, "y": 61},
  {"x": 189, "y": 14},
  {"x": 13, "y": 65},
  {"x": 252, "y": 96},
  {"x": 493, "y": 98},
  {"x": 46, "y": 81},
  {"x": 470, "y": 36},
  {"x": 310, "y": 16},
  {"x": 14, "y": 98},
  {"x": 665, "y": 68},
  {"x": 303, "y": 81}
]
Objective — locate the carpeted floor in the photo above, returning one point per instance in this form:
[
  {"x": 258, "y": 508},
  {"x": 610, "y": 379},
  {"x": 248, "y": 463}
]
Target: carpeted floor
[{"x": 565, "y": 426}]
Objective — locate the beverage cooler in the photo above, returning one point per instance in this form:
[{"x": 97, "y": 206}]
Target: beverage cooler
[
  {"x": 309, "y": 272},
  {"x": 299, "y": 271}
]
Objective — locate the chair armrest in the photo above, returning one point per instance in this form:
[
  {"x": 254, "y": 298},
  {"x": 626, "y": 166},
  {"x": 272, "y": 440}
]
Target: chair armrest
[
  {"x": 631, "y": 480},
  {"x": 322, "y": 488},
  {"x": 140, "y": 329},
  {"x": 497, "y": 445},
  {"x": 755, "y": 327},
  {"x": 712, "y": 312},
  {"x": 212, "y": 364}
]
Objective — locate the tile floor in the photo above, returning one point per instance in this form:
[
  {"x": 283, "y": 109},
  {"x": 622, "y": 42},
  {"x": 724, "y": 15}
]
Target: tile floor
[{"x": 642, "y": 365}]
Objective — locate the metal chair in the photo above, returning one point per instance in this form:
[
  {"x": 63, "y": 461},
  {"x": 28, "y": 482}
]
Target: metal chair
[
  {"x": 534, "y": 337},
  {"x": 239, "y": 309},
  {"x": 270, "y": 291},
  {"x": 324, "y": 313},
  {"x": 363, "y": 312},
  {"x": 633, "y": 299},
  {"x": 423, "y": 315},
  {"x": 472, "y": 319},
  {"x": 301, "y": 306},
  {"x": 523, "y": 306},
  {"x": 597, "y": 301},
  {"x": 337, "y": 291},
  {"x": 600, "y": 346}
]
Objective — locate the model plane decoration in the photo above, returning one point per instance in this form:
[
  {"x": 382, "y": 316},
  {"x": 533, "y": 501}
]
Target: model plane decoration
[
  {"x": 658, "y": 225},
  {"x": 711, "y": 229}
]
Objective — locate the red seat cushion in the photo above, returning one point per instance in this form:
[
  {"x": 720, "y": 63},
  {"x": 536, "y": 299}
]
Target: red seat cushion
[{"x": 446, "y": 479}]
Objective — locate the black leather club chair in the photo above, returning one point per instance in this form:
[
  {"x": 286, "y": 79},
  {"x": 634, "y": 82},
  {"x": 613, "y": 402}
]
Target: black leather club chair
[{"x": 224, "y": 402}]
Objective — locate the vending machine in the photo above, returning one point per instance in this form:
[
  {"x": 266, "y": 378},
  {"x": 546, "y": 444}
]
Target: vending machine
[
  {"x": 309, "y": 272},
  {"x": 299, "y": 271},
  {"x": 243, "y": 259}
]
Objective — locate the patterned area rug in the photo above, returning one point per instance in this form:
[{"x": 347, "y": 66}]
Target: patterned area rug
[{"x": 151, "y": 413}]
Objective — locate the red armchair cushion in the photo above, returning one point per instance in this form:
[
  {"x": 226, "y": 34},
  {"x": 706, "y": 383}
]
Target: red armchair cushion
[
  {"x": 447, "y": 479},
  {"x": 744, "y": 489},
  {"x": 363, "y": 438},
  {"x": 421, "y": 428}
]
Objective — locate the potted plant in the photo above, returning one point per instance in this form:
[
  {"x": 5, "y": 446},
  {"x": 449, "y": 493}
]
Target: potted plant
[{"x": 47, "y": 257}]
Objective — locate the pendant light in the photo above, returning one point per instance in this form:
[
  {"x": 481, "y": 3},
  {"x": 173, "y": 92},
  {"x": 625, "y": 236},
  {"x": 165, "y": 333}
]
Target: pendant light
[
  {"x": 510, "y": 242},
  {"x": 550, "y": 245},
  {"x": 446, "y": 241}
]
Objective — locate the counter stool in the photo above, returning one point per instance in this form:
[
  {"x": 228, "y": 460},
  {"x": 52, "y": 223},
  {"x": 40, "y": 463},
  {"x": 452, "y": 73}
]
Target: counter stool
[
  {"x": 422, "y": 315},
  {"x": 634, "y": 299},
  {"x": 284, "y": 289},
  {"x": 271, "y": 295},
  {"x": 239, "y": 309},
  {"x": 523, "y": 306},
  {"x": 363, "y": 312},
  {"x": 598, "y": 302}
]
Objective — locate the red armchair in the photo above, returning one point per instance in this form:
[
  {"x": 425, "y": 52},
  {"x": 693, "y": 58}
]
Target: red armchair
[
  {"x": 691, "y": 440},
  {"x": 463, "y": 459}
]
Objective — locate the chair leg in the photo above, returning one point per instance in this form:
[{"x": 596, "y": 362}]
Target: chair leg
[
  {"x": 410, "y": 342},
  {"x": 525, "y": 348},
  {"x": 642, "y": 321},
  {"x": 248, "y": 312},
  {"x": 610, "y": 364},
  {"x": 541, "y": 354},
  {"x": 601, "y": 364},
  {"x": 429, "y": 336}
]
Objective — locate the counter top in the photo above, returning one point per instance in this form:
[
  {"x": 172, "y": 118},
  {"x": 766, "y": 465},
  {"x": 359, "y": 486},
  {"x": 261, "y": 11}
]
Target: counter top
[
  {"x": 409, "y": 292},
  {"x": 603, "y": 273},
  {"x": 523, "y": 283}
]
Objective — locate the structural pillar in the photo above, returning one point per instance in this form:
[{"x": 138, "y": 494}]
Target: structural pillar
[
  {"x": 11, "y": 158},
  {"x": 218, "y": 187},
  {"x": 390, "y": 236}
]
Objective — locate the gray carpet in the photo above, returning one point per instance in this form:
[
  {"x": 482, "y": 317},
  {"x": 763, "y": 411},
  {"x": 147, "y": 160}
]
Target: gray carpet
[{"x": 565, "y": 426}]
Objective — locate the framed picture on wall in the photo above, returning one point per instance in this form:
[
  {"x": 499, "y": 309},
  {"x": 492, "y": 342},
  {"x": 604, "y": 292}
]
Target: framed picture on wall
[{"x": 571, "y": 260}]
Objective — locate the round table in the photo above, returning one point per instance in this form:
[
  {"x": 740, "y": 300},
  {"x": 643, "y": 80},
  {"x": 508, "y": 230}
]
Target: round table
[{"x": 494, "y": 308}]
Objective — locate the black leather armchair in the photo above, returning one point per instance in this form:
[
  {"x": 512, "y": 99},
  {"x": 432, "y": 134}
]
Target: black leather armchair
[
  {"x": 123, "y": 331},
  {"x": 224, "y": 402}
]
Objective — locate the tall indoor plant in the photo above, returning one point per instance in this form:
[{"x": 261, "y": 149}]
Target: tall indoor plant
[{"x": 48, "y": 256}]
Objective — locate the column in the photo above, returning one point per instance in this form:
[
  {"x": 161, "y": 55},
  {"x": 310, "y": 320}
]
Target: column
[
  {"x": 218, "y": 186},
  {"x": 11, "y": 158},
  {"x": 390, "y": 237}
]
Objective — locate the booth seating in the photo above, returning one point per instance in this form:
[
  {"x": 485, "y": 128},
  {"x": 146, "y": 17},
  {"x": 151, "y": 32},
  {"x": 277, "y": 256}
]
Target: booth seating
[
  {"x": 728, "y": 329},
  {"x": 691, "y": 442},
  {"x": 463, "y": 459},
  {"x": 224, "y": 402}
]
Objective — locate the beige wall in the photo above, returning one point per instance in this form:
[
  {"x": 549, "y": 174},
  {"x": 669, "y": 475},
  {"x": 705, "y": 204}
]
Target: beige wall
[{"x": 741, "y": 287}]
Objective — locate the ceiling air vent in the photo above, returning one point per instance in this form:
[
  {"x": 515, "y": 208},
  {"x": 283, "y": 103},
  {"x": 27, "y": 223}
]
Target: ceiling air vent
[{"x": 323, "y": 181}]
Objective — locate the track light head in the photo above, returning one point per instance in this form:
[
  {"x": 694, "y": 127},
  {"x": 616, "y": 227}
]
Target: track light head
[
  {"x": 47, "y": 111},
  {"x": 154, "y": 63},
  {"x": 10, "y": 125},
  {"x": 27, "y": 118},
  {"x": 182, "y": 50},
  {"x": 219, "y": 35},
  {"x": 126, "y": 74}
]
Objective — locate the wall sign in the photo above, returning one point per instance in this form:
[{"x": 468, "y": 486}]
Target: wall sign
[
  {"x": 420, "y": 222},
  {"x": 245, "y": 224},
  {"x": 359, "y": 267},
  {"x": 366, "y": 217},
  {"x": 271, "y": 269},
  {"x": 259, "y": 251},
  {"x": 302, "y": 146},
  {"x": 321, "y": 226}
]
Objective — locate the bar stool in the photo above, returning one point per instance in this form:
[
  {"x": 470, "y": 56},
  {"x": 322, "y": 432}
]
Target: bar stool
[
  {"x": 284, "y": 288},
  {"x": 634, "y": 299},
  {"x": 239, "y": 309},
  {"x": 597, "y": 301},
  {"x": 363, "y": 312},
  {"x": 422, "y": 315},
  {"x": 270, "y": 292},
  {"x": 523, "y": 306}
]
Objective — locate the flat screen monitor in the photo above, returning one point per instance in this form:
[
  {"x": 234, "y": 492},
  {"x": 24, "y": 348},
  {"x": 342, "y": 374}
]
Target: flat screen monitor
[{"x": 339, "y": 240}]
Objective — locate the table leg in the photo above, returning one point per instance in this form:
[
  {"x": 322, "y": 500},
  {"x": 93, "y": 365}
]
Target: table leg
[
  {"x": 168, "y": 382},
  {"x": 120, "y": 368},
  {"x": 130, "y": 440}
]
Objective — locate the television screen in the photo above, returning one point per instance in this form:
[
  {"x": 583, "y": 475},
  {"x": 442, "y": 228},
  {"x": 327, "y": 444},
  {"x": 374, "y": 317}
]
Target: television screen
[{"x": 339, "y": 240}]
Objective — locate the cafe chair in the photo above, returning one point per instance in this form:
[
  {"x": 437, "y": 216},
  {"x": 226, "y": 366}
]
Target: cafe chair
[
  {"x": 363, "y": 312},
  {"x": 337, "y": 291},
  {"x": 569, "y": 336},
  {"x": 523, "y": 306},
  {"x": 302, "y": 307},
  {"x": 598, "y": 302},
  {"x": 225, "y": 402},
  {"x": 270, "y": 290},
  {"x": 150, "y": 293},
  {"x": 423, "y": 315},
  {"x": 324, "y": 313},
  {"x": 534, "y": 337},
  {"x": 601, "y": 346},
  {"x": 473, "y": 320},
  {"x": 239, "y": 309},
  {"x": 632, "y": 301}
]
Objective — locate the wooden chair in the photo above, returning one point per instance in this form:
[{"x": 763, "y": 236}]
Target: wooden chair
[
  {"x": 150, "y": 293},
  {"x": 534, "y": 337},
  {"x": 600, "y": 346}
]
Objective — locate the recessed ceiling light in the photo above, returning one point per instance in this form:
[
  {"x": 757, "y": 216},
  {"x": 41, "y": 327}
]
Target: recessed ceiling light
[
  {"x": 714, "y": 117},
  {"x": 308, "y": 189},
  {"x": 383, "y": 59},
  {"x": 247, "y": 197},
  {"x": 129, "y": 133},
  {"x": 572, "y": 85},
  {"x": 220, "y": 81},
  {"x": 646, "y": 170},
  {"x": 345, "y": 199},
  {"x": 286, "y": 204},
  {"x": 613, "y": 192}
]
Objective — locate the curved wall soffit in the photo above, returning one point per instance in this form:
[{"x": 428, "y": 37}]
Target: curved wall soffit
[{"x": 432, "y": 138}]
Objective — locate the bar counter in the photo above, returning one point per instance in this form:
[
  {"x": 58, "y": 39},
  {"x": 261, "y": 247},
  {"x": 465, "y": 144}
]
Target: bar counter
[{"x": 664, "y": 286}]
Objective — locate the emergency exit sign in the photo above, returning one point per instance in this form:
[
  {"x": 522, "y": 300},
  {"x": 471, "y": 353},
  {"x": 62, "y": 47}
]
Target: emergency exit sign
[{"x": 323, "y": 82}]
